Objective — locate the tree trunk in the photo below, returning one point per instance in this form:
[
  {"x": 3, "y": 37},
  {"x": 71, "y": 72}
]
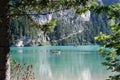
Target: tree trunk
[{"x": 4, "y": 41}]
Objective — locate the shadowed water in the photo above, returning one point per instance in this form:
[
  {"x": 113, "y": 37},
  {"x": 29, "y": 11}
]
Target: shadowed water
[{"x": 73, "y": 62}]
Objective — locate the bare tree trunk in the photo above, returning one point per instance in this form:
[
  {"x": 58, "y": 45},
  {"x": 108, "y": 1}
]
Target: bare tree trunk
[{"x": 4, "y": 41}]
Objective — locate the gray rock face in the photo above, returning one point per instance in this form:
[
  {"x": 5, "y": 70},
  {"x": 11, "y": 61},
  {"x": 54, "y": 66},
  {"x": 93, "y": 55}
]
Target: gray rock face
[{"x": 74, "y": 29}]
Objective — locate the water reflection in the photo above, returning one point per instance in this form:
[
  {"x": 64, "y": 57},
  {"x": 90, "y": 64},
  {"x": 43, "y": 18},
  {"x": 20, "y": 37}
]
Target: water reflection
[
  {"x": 45, "y": 69},
  {"x": 45, "y": 72},
  {"x": 69, "y": 65},
  {"x": 86, "y": 75}
]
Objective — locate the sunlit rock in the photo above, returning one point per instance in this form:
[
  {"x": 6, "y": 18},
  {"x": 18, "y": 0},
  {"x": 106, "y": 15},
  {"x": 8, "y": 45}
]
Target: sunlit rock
[
  {"x": 20, "y": 44},
  {"x": 86, "y": 16},
  {"x": 42, "y": 19}
]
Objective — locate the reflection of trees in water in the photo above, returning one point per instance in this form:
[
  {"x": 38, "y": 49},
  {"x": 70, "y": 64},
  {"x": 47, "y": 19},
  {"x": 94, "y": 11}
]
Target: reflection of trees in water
[
  {"x": 45, "y": 72},
  {"x": 66, "y": 66},
  {"x": 85, "y": 75}
]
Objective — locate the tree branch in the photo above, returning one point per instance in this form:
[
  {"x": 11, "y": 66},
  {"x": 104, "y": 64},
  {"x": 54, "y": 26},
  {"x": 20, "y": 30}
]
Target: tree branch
[{"x": 39, "y": 13}]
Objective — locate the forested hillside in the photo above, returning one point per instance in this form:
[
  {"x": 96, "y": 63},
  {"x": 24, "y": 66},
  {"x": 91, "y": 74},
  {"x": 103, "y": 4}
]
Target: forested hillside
[
  {"x": 25, "y": 33},
  {"x": 71, "y": 28}
]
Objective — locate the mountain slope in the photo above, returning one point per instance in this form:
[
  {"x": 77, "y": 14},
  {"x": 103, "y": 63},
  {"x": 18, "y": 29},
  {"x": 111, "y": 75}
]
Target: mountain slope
[{"x": 72, "y": 29}]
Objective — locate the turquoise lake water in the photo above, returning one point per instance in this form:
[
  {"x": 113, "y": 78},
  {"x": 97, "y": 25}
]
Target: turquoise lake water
[{"x": 72, "y": 62}]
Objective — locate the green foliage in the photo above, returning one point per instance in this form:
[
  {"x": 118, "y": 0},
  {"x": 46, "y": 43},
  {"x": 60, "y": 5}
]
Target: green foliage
[
  {"x": 112, "y": 11},
  {"x": 81, "y": 10},
  {"x": 111, "y": 42},
  {"x": 44, "y": 5},
  {"x": 49, "y": 26},
  {"x": 112, "y": 56}
]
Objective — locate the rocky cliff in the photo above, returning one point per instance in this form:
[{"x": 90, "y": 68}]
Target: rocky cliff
[{"x": 71, "y": 28}]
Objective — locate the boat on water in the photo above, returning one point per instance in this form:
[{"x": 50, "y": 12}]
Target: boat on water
[{"x": 56, "y": 52}]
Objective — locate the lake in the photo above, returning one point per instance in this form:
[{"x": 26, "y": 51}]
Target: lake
[{"x": 61, "y": 62}]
